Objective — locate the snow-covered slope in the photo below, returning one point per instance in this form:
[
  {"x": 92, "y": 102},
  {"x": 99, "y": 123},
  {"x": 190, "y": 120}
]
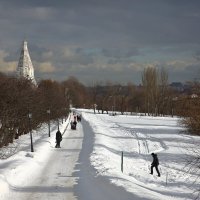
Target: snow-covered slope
[{"x": 137, "y": 137}]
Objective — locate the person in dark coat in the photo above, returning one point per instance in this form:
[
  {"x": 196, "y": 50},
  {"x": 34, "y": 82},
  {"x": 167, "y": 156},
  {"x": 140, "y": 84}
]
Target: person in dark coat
[
  {"x": 155, "y": 164},
  {"x": 75, "y": 123},
  {"x": 58, "y": 139},
  {"x": 79, "y": 118}
]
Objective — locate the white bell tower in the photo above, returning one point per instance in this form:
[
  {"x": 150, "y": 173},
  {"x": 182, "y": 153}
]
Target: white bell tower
[{"x": 25, "y": 67}]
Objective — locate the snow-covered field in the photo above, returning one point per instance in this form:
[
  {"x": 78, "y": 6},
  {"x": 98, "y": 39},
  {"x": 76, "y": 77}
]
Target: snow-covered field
[
  {"x": 137, "y": 137},
  {"x": 27, "y": 175}
]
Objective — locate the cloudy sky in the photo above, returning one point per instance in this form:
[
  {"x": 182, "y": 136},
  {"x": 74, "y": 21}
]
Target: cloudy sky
[{"x": 101, "y": 40}]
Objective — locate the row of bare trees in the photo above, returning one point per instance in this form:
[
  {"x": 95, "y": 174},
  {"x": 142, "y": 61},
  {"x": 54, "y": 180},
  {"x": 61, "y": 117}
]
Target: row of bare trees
[
  {"x": 153, "y": 97},
  {"x": 49, "y": 100}
]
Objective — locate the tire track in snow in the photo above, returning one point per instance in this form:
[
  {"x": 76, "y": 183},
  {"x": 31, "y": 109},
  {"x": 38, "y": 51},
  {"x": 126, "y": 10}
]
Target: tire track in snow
[
  {"x": 143, "y": 141},
  {"x": 143, "y": 147}
]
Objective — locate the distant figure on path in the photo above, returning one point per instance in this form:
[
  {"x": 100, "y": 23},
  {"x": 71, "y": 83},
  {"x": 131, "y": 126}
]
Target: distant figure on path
[
  {"x": 155, "y": 164},
  {"x": 79, "y": 118},
  {"x": 73, "y": 125},
  {"x": 58, "y": 139}
]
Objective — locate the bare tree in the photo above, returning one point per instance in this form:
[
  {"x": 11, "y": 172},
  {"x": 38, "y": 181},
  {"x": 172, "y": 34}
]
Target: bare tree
[
  {"x": 150, "y": 84},
  {"x": 156, "y": 91},
  {"x": 163, "y": 97}
]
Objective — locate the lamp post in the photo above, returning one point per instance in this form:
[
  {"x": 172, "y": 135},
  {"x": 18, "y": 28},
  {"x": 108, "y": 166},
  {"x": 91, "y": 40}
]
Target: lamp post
[
  {"x": 67, "y": 97},
  {"x": 30, "y": 117},
  {"x": 58, "y": 125},
  {"x": 110, "y": 103},
  {"x": 95, "y": 107},
  {"x": 10, "y": 134},
  {"x": 113, "y": 104},
  {"x": 66, "y": 113},
  {"x": 16, "y": 134},
  {"x": 48, "y": 112}
]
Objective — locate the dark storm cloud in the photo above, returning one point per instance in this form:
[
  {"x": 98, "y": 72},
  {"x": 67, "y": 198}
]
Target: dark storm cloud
[
  {"x": 113, "y": 61},
  {"x": 197, "y": 55},
  {"x": 139, "y": 22},
  {"x": 77, "y": 33}
]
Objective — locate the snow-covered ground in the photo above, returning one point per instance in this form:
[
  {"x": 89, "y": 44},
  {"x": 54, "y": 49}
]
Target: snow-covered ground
[
  {"x": 137, "y": 137},
  {"x": 88, "y": 165}
]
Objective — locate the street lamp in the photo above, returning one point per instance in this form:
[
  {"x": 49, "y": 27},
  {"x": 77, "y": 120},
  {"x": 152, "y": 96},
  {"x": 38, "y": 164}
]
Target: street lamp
[
  {"x": 66, "y": 109},
  {"x": 48, "y": 112},
  {"x": 30, "y": 117},
  {"x": 95, "y": 107},
  {"x": 113, "y": 104},
  {"x": 58, "y": 125},
  {"x": 114, "y": 107},
  {"x": 17, "y": 133},
  {"x": 67, "y": 97}
]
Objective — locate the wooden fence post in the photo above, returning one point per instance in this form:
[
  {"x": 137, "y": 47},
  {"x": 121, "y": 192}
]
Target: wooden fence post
[
  {"x": 122, "y": 160},
  {"x": 166, "y": 177}
]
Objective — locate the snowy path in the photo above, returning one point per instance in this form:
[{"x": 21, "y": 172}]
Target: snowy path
[
  {"x": 55, "y": 180},
  {"x": 65, "y": 173},
  {"x": 93, "y": 187}
]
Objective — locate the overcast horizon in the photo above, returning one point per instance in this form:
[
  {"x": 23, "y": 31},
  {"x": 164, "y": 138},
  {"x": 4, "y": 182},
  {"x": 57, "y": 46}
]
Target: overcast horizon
[{"x": 99, "y": 41}]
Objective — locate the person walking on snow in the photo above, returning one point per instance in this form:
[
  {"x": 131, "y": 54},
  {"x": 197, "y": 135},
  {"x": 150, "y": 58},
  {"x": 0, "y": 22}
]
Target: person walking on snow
[
  {"x": 155, "y": 164},
  {"x": 58, "y": 139}
]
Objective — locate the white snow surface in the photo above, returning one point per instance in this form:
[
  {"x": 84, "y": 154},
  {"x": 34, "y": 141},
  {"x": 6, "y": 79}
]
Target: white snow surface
[{"x": 88, "y": 164}]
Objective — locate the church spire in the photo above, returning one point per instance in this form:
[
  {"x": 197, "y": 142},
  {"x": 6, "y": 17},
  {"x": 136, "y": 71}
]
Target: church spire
[{"x": 25, "y": 67}]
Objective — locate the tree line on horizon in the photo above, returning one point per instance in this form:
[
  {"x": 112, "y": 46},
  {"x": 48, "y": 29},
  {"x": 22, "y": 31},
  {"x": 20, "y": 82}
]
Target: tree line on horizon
[{"x": 50, "y": 100}]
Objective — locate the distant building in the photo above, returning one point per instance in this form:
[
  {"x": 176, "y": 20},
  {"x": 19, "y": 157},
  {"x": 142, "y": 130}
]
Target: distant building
[
  {"x": 178, "y": 86},
  {"x": 194, "y": 96},
  {"x": 25, "y": 67}
]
